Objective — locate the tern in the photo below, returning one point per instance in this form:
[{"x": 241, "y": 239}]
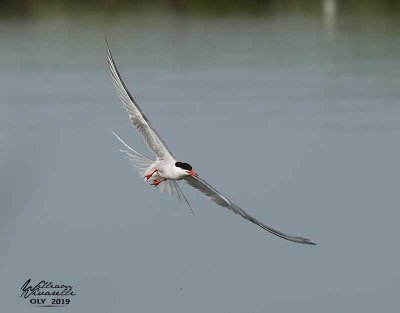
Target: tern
[{"x": 165, "y": 171}]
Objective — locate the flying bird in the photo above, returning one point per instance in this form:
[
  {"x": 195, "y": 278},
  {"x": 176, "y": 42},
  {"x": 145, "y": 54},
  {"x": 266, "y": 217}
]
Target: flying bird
[{"x": 165, "y": 171}]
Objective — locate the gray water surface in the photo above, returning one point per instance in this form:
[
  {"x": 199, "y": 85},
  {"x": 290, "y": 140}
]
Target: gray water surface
[{"x": 295, "y": 119}]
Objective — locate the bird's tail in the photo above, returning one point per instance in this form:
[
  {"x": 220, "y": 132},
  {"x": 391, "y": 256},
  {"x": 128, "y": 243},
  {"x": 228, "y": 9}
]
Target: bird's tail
[
  {"x": 144, "y": 165},
  {"x": 139, "y": 161}
]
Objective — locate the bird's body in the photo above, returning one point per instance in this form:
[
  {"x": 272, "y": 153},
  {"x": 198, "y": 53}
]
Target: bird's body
[{"x": 165, "y": 170}]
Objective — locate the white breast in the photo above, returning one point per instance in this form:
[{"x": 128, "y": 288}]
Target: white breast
[{"x": 167, "y": 169}]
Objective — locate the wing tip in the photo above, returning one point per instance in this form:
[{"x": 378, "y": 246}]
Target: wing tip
[
  {"x": 108, "y": 46},
  {"x": 300, "y": 240},
  {"x": 110, "y": 59},
  {"x": 308, "y": 242}
]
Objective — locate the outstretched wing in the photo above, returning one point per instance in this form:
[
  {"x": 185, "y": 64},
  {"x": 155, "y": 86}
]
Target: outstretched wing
[
  {"x": 138, "y": 119},
  {"x": 201, "y": 185}
]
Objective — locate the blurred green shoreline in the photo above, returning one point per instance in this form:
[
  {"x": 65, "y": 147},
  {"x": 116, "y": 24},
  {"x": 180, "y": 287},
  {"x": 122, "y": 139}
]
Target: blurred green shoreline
[{"x": 45, "y": 8}]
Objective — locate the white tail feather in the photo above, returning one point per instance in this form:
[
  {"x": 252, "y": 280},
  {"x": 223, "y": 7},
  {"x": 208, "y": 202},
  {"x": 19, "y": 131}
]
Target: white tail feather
[{"x": 139, "y": 161}]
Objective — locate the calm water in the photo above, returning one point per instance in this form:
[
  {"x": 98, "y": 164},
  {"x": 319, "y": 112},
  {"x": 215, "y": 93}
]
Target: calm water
[{"x": 307, "y": 108}]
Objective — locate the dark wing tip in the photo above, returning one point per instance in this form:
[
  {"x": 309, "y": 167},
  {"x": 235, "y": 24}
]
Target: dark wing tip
[
  {"x": 297, "y": 239},
  {"x": 292, "y": 238},
  {"x": 105, "y": 37},
  {"x": 110, "y": 59},
  {"x": 307, "y": 242}
]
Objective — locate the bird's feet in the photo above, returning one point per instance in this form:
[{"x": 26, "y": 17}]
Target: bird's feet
[
  {"x": 156, "y": 182},
  {"x": 148, "y": 176}
]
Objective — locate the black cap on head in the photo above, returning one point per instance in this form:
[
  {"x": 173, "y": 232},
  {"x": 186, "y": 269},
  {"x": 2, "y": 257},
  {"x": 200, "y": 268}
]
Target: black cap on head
[{"x": 184, "y": 166}]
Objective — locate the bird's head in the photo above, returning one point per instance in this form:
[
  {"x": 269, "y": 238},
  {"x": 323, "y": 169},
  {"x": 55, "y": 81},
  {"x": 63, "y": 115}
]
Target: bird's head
[{"x": 185, "y": 168}]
